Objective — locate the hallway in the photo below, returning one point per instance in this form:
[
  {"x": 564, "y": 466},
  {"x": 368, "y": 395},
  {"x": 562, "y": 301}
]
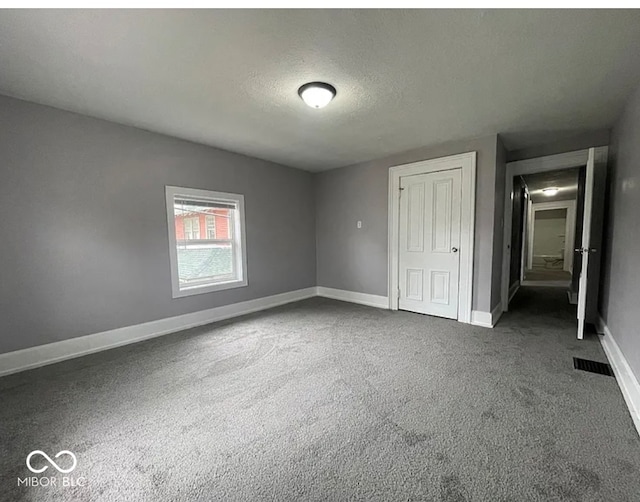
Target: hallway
[
  {"x": 541, "y": 274},
  {"x": 531, "y": 302}
]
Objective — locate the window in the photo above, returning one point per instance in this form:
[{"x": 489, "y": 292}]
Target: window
[
  {"x": 211, "y": 259},
  {"x": 211, "y": 226},
  {"x": 191, "y": 228}
]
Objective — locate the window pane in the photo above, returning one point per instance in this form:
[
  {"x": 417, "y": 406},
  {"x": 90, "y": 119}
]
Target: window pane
[
  {"x": 207, "y": 256},
  {"x": 206, "y": 233},
  {"x": 210, "y": 261},
  {"x": 211, "y": 227}
]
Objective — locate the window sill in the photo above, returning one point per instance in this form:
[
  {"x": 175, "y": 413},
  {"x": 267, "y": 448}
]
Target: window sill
[{"x": 200, "y": 290}]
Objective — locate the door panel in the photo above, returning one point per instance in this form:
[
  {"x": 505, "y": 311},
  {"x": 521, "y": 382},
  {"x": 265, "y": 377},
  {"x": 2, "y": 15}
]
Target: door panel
[
  {"x": 429, "y": 237},
  {"x": 415, "y": 229},
  {"x": 441, "y": 230},
  {"x": 440, "y": 287},
  {"x": 415, "y": 282},
  {"x": 592, "y": 222}
]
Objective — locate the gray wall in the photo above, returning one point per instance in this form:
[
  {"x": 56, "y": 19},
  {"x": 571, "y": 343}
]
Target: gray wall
[
  {"x": 356, "y": 259},
  {"x": 84, "y": 228},
  {"x": 573, "y": 143},
  {"x": 517, "y": 223},
  {"x": 498, "y": 223},
  {"x": 549, "y": 229},
  {"x": 619, "y": 301}
]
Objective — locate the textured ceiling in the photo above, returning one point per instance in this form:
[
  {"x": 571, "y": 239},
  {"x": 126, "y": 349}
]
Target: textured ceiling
[
  {"x": 566, "y": 180},
  {"x": 405, "y": 79}
]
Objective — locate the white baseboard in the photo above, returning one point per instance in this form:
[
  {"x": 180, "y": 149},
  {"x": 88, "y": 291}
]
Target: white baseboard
[
  {"x": 353, "y": 297},
  {"x": 480, "y": 318},
  {"x": 624, "y": 375},
  {"x": 548, "y": 284},
  {"x": 41, "y": 355},
  {"x": 513, "y": 290},
  {"x": 496, "y": 314},
  {"x": 486, "y": 319}
]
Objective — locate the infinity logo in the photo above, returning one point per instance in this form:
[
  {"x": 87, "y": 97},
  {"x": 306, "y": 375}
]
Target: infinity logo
[{"x": 50, "y": 460}]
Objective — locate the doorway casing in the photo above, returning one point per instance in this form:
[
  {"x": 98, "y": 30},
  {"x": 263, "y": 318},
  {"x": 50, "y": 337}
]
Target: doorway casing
[
  {"x": 466, "y": 162},
  {"x": 567, "y": 160},
  {"x": 570, "y": 227}
]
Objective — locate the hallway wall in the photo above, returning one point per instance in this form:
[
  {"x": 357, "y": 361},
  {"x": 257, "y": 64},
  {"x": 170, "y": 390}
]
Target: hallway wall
[
  {"x": 621, "y": 270},
  {"x": 517, "y": 215},
  {"x": 577, "y": 142},
  {"x": 549, "y": 234}
]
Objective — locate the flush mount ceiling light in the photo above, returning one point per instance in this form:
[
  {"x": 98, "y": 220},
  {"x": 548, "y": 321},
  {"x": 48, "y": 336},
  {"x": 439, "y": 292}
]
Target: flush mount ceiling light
[
  {"x": 550, "y": 191},
  {"x": 317, "y": 94}
]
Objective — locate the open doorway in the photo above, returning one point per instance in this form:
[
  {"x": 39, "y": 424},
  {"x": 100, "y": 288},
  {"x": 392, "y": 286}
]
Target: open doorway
[
  {"x": 561, "y": 199},
  {"x": 548, "y": 226}
]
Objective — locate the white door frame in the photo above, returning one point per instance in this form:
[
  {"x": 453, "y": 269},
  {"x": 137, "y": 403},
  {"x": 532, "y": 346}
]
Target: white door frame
[
  {"x": 569, "y": 229},
  {"x": 523, "y": 254},
  {"x": 467, "y": 163},
  {"x": 530, "y": 166}
]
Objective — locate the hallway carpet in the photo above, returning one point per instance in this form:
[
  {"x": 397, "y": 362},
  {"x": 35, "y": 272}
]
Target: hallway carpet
[
  {"x": 324, "y": 400},
  {"x": 541, "y": 274}
]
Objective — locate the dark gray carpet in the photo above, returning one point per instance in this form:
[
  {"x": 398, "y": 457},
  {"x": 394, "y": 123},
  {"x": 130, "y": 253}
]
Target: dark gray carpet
[{"x": 324, "y": 400}]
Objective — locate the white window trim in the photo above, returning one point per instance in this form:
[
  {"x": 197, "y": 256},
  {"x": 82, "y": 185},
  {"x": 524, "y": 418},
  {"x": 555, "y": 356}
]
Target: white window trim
[{"x": 240, "y": 259}]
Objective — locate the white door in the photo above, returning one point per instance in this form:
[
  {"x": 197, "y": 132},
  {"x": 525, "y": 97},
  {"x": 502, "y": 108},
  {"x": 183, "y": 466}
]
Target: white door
[
  {"x": 429, "y": 260},
  {"x": 590, "y": 249}
]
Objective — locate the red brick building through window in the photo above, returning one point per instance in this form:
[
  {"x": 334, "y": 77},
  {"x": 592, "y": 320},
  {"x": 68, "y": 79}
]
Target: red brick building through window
[{"x": 203, "y": 224}]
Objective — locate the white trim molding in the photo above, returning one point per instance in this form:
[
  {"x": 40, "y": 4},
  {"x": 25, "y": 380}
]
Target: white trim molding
[
  {"x": 496, "y": 314},
  {"x": 550, "y": 162},
  {"x": 354, "y": 297},
  {"x": 466, "y": 162},
  {"x": 486, "y": 319},
  {"x": 627, "y": 381},
  {"x": 513, "y": 290},
  {"x": 480, "y": 318},
  {"x": 547, "y": 284},
  {"x": 41, "y": 355}
]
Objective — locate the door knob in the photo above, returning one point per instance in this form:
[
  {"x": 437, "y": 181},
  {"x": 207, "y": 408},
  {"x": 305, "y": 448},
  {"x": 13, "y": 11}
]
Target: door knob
[{"x": 455, "y": 250}]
